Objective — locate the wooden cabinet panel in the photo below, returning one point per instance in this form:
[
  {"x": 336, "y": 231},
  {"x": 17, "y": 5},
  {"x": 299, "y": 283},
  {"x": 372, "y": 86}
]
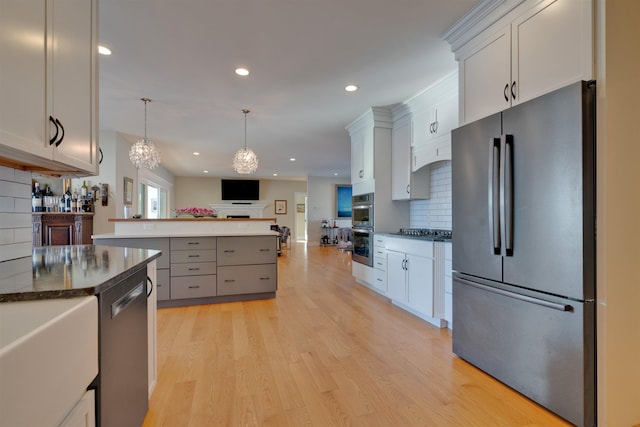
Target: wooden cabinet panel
[
  {"x": 193, "y": 287},
  {"x": 241, "y": 250},
  {"x": 247, "y": 279},
  {"x": 62, "y": 229}
]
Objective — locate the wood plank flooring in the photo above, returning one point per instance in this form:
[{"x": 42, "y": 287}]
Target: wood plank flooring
[{"x": 324, "y": 352}]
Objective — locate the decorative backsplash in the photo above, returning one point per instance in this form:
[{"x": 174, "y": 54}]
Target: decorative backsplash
[
  {"x": 15, "y": 213},
  {"x": 435, "y": 212}
]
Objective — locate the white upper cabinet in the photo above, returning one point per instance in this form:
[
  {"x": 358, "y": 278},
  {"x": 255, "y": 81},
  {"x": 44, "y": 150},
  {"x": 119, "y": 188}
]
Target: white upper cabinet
[
  {"x": 405, "y": 184},
  {"x": 48, "y": 85},
  {"x": 519, "y": 50}
]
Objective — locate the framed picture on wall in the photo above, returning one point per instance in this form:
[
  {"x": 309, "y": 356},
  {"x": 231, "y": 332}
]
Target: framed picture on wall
[
  {"x": 128, "y": 191},
  {"x": 281, "y": 207},
  {"x": 343, "y": 201}
]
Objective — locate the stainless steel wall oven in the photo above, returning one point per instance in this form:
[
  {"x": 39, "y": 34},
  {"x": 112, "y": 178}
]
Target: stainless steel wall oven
[
  {"x": 362, "y": 219},
  {"x": 362, "y": 211}
]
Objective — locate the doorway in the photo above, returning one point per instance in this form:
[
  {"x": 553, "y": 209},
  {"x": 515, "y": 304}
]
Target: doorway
[{"x": 301, "y": 216}]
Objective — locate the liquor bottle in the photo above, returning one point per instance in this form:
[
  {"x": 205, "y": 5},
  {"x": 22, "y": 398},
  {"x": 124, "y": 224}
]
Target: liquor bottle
[
  {"x": 67, "y": 199},
  {"x": 84, "y": 189},
  {"x": 74, "y": 200},
  {"x": 36, "y": 199},
  {"x": 47, "y": 200}
]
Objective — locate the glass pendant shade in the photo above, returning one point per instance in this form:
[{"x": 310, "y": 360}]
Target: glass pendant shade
[
  {"x": 143, "y": 153},
  {"x": 245, "y": 161}
]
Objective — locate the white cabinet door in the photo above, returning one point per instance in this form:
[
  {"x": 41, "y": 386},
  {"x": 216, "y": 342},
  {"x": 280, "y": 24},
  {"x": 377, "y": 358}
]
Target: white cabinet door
[
  {"x": 400, "y": 158},
  {"x": 485, "y": 76},
  {"x": 23, "y": 118},
  {"x": 357, "y": 160},
  {"x": 445, "y": 117},
  {"x": 72, "y": 81},
  {"x": 551, "y": 47},
  {"x": 420, "y": 284},
  {"x": 396, "y": 277}
]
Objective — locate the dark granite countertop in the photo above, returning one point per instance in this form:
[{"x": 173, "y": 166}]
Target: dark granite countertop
[
  {"x": 69, "y": 271},
  {"x": 430, "y": 238}
]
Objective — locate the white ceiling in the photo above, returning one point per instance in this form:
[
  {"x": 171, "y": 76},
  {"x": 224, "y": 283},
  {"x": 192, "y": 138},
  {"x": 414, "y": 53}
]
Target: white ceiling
[{"x": 301, "y": 53}]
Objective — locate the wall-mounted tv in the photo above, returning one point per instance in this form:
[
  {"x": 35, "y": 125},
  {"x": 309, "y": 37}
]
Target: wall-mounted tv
[{"x": 240, "y": 189}]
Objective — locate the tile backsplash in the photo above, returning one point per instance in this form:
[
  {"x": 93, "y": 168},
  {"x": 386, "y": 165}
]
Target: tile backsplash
[
  {"x": 15, "y": 214},
  {"x": 435, "y": 212}
]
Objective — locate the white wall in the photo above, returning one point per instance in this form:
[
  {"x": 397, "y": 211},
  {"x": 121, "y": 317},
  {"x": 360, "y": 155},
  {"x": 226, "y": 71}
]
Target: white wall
[
  {"x": 15, "y": 214},
  {"x": 201, "y": 192},
  {"x": 618, "y": 248},
  {"x": 321, "y": 204}
]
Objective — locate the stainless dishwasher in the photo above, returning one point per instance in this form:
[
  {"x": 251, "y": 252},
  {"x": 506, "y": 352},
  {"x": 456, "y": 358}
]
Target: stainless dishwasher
[{"x": 121, "y": 384}]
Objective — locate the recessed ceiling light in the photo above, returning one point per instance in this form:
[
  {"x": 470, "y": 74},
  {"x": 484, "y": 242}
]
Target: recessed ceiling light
[
  {"x": 195, "y": 153},
  {"x": 102, "y": 50},
  {"x": 275, "y": 174},
  {"x": 351, "y": 88},
  {"x": 205, "y": 171},
  {"x": 241, "y": 71},
  {"x": 292, "y": 159},
  {"x": 335, "y": 173}
]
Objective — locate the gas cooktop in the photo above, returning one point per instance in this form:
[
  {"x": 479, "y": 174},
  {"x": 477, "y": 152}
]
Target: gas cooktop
[{"x": 429, "y": 233}]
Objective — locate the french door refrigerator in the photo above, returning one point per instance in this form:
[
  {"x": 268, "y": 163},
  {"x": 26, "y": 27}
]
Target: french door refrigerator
[{"x": 523, "y": 184}]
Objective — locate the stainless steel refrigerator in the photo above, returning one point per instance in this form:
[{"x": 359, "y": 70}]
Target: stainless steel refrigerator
[{"x": 524, "y": 249}]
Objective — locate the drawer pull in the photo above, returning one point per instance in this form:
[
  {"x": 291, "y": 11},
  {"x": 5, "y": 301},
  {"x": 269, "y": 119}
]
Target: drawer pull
[
  {"x": 229, "y": 280},
  {"x": 194, "y": 286},
  {"x": 265, "y": 250},
  {"x": 194, "y": 268},
  {"x": 265, "y": 278},
  {"x": 194, "y": 256},
  {"x": 193, "y": 243},
  {"x": 228, "y": 251}
]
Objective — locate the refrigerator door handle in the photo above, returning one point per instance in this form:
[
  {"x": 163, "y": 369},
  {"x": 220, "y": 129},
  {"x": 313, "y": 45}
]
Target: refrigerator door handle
[
  {"x": 494, "y": 194},
  {"x": 525, "y": 298},
  {"x": 506, "y": 203}
]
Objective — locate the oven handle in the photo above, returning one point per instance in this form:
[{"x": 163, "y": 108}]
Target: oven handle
[{"x": 363, "y": 230}]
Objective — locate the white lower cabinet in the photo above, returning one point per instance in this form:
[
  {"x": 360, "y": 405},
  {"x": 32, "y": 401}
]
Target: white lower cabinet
[
  {"x": 411, "y": 280},
  {"x": 83, "y": 414},
  {"x": 448, "y": 285}
]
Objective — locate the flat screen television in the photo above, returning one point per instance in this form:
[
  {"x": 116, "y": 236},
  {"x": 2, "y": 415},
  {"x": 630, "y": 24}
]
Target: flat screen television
[{"x": 240, "y": 189}]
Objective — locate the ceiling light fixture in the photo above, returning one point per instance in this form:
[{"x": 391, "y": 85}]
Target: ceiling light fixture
[
  {"x": 351, "y": 88},
  {"x": 292, "y": 159},
  {"x": 245, "y": 161},
  {"x": 195, "y": 153},
  {"x": 103, "y": 50},
  {"x": 241, "y": 71},
  {"x": 144, "y": 153}
]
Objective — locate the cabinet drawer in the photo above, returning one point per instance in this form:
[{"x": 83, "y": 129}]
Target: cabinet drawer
[
  {"x": 193, "y": 269},
  {"x": 379, "y": 252},
  {"x": 193, "y": 287},
  {"x": 380, "y": 263},
  {"x": 247, "y": 279},
  {"x": 192, "y": 243},
  {"x": 380, "y": 280},
  {"x": 247, "y": 250},
  {"x": 378, "y": 240},
  {"x": 195, "y": 255},
  {"x": 163, "y": 285}
]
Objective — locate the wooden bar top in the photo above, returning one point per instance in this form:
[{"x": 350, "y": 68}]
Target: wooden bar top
[{"x": 188, "y": 219}]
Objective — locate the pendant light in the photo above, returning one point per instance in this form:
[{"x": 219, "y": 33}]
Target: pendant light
[
  {"x": 245, "y": 161},
  {"x": 144, "y": 153}
]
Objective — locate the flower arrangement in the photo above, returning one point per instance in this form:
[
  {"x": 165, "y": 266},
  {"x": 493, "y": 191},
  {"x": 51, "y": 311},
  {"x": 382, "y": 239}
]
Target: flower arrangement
[{"x": 197, "y": 212}]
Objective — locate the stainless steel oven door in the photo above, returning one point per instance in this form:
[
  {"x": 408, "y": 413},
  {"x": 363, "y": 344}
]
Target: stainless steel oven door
[
  {"x": 363, "y": 246},
  {"x": 362, "y": 211}
]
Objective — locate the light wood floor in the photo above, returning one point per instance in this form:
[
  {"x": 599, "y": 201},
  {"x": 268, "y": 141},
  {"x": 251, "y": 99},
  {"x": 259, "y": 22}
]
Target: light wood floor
[{"x": 324, "y": 352}]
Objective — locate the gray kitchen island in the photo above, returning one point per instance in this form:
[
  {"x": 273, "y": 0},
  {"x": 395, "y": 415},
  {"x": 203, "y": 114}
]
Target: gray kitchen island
[{"x": 205, "y": 260}]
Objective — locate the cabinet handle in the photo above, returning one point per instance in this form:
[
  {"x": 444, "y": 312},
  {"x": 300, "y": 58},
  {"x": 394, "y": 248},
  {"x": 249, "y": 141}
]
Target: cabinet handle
[
  {"x": 193, "y": 243},
  {"x": 61, "y": 136},
  {"x": 150, "y": 286},
  {"x": 435, "y": 127},
  {"x": 504, "y": 92},
  {"x": 229, "y": 280},
  {"x": 513, "y": 89},
  {"x": 194, "y": 268},
  {"x": 194, "y": 286},
  {"x": 361, "y": 173},
  {"x": 194, "y": 256},
  {"x": 265, "y": 278},
  {"x": 265, "y": 250},
  {"x": 229, "y": 251},
  {"x": 53, "y": 140},
  {"x": 431, "y": 128}
]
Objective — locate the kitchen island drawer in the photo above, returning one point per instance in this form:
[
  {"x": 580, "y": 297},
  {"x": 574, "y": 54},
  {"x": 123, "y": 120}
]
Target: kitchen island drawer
[
  {"x": 193, "y": 287},
  {"x": 195, "y": 255},
  {"x": 247, "y": 250},
  {"x": 193, "y": 269},
  {"x": 247, "y": 279},
  {"x": 192, "y": 243},
  {"x": 380, "y": 262}
]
